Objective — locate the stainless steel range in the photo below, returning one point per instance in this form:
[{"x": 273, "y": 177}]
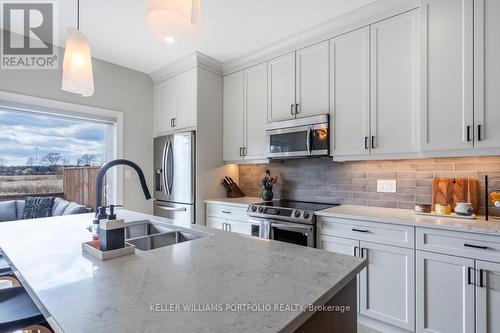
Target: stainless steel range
[{"x": 286, "y": 220}]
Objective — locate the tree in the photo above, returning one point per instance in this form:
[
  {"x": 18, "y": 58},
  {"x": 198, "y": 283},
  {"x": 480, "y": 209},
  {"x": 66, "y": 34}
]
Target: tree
[
  {"x": 30, "y": 162},
  {"x": 52, "y": 160},
  {"x": 87, "y": 160}
]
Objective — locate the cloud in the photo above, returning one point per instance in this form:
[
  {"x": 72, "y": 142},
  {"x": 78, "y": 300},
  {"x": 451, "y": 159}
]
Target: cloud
[{"x": 24, "y": 135}]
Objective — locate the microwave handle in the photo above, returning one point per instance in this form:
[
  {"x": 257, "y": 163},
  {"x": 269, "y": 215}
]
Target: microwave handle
[{"x": 308, "y": 140}]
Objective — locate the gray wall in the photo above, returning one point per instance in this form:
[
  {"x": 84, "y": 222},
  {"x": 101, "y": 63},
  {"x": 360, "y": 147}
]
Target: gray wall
[{"x": 116, "y": 88}]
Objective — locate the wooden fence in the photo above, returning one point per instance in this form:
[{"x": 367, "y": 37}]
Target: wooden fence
[{"x": 79, "y": 185}]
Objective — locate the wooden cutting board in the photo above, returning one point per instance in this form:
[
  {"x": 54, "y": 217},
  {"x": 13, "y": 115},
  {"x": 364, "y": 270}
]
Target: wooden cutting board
[{"x": 454, "y": 190}]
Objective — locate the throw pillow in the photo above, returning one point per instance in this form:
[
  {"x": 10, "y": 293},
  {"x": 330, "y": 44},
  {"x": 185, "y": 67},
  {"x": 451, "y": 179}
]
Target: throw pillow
[{"x": 35, "y": 207}]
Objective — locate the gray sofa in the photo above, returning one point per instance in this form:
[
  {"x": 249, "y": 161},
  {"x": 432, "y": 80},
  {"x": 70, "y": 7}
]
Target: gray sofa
[{"x": 14, "y": 209}]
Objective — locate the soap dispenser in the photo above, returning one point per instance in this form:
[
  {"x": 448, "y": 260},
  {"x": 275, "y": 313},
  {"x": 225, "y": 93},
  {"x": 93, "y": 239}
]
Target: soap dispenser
[{"x": 111, "y": 232}]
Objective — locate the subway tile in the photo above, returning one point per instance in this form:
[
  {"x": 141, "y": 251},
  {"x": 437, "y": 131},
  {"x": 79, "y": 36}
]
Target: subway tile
[
  {"x": 406, "y": 198},
  {"x": 407, "y": 175},
  {"x": 364, "y": 181},
  {"x": 426, "y": 199},
  {"x": 424, "y": 183},
  {"x": 494, "y": 166},
  {"x": 425, "y": 175},
  {"x": 382, "y": 175},
  {"x": 384, "y": 204},
  {"x": 367, "y": 195},
  {"x": 435, "y": 167},
  {"x": 353, "y": 188},
  {"x": 406, "y": 183},
  {"x": 423, "y": 190},
  {"x": 406, "y": 190}
]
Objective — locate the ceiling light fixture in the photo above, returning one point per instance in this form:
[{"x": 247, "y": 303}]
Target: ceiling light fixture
[
  {"x": 167, "y": 19},
  {"x": 77, "y": 64}
]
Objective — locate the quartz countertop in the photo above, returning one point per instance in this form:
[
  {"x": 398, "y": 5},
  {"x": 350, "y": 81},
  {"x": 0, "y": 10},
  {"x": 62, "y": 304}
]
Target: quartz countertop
[
  {"x": 408, "y": 217},
  {"x": 78, "y": 293},
  {"x": 243, "y": 201}
]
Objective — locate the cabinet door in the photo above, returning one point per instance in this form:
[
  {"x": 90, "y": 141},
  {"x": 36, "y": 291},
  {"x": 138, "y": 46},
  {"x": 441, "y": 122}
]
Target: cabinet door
[
  {"x": 338, "y": 244},
  {"x": 445, "y": 293},
  {"x": 186, "y": 99},
  {"x": 447, "y": 103},
  {"x": 281, "y": 87},
  {"x": 240, "y": 227},
  {"x": 255, "y": 111},
  {"x": 487, "y": 297},
  {"x": 233, "y": 117},
  {"x": 350, "y": 93},
  {"x": 165, "y": 105},
  {"x": 394, "y": 85},
  {"x": 215, "y": 222},
  {"x": 487, "y": 73},
  {"x": 312, "y": 81},
  {"x": 387, "y": 285}
]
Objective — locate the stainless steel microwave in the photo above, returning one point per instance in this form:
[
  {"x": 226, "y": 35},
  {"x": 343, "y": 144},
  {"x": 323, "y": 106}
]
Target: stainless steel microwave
[{"x": 302, "y": 137}]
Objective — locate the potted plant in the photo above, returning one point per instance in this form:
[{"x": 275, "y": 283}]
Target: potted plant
[{"x": 268, "y": 181}]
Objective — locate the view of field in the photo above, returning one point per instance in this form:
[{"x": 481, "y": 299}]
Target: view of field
[{"x": 31, "y": 184}]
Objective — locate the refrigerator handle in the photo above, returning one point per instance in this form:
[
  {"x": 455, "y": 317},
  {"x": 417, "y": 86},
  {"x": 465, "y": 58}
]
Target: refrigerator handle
[
  {"x": 183, "y": 209},
  {"x": 164, "y": 169},
  {"x": 170, "y": 166}
]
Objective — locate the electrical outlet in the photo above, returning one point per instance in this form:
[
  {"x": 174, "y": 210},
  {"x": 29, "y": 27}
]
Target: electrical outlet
[{"x": 386, "y": 186}]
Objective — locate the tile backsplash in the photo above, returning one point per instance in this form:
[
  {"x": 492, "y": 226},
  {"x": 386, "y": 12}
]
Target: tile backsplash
[{"x": 322, "y": 180}]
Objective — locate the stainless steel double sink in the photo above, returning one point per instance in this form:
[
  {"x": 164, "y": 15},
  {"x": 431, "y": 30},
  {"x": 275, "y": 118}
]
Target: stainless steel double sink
[{"x": 149, "y": 235}]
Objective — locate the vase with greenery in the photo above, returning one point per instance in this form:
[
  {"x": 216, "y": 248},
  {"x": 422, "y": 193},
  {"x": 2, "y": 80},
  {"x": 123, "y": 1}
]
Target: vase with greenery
[{"x": 268, "y": 181}]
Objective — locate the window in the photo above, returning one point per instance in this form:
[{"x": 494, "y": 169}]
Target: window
[{"x": 40, "y": 151}]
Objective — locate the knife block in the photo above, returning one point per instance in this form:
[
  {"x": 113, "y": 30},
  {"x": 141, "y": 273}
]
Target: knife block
[{"x": 234, "y": 192}]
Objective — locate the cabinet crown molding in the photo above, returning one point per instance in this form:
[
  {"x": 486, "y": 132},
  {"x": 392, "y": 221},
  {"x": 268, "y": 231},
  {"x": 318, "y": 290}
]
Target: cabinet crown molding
[{"x": 195, "y": 59}]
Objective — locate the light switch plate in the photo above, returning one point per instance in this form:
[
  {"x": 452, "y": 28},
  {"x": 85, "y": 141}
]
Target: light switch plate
[{"x": 386, "y": 185}]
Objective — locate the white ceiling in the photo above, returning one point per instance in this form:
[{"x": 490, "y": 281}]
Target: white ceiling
[{"x": 231, "y": 28}]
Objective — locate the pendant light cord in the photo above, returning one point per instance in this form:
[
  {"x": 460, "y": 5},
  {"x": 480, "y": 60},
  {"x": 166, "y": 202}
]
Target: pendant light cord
[{"x": 78, "y": 15}]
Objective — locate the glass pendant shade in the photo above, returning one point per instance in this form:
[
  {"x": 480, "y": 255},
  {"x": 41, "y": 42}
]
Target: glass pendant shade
[
  {"x": 77, "y": 65},
  {"x": 172, "y": 18}
]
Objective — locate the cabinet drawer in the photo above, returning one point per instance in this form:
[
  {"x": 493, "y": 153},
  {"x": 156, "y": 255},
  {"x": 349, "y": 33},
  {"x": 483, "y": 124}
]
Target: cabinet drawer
[
  {"x": 227, "y": 211},
  {"x": 484, "y": 247},
  {"x": 375, "y": 232},
  {"x": 240, "y": 227}
]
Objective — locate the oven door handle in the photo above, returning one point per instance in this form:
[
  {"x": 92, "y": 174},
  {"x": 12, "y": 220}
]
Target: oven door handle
[{"x": 290, "y": 226}]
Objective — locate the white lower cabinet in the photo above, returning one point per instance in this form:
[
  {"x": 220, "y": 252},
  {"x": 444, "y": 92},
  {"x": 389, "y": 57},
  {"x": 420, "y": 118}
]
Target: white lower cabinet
[
  {"x": 387, "y": 285},
  {"x": 487, "y": 297},
  {"x": 228, "y": 218},
  {"x": 445, "y": 293}
]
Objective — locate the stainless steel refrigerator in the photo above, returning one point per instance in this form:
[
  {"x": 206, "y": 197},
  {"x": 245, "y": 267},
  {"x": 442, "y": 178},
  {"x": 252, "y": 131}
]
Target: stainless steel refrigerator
[{"x": 174, "y": 176}]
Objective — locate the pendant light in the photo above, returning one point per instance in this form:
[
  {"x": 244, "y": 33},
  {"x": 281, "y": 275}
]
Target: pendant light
[
  {"x": 77, "y": 64},
  {"x": 167, "y": 19}
]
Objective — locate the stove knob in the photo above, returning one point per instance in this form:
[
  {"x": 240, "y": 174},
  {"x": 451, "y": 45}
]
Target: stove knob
[
  {"x": 254, "y": 208},
  {"x": 261, "y": 210},
  {"x": 296, "y": 214},
  {"x": 306, "y": 214}
]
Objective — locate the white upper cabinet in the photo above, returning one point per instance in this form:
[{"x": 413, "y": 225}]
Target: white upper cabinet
[
  {"x": 447, "y": 75},
  {"x": 176, "y": 103},
  {"x": 233, "y": 116},
  {"x": 281, "y": 87},
  {"x": 487, "y": 73},
  {"x": 312, "y": 81},
  {"x": 186, "y": 91},
  {"x": 445, "y": 293},
  {"x": 350, "y": 93},
  {"x": 487, "y": 297},
  {"x": 394, "y": 85},
  {"x": 255, "y": 112},
  {"x": 165, "y": 106}
]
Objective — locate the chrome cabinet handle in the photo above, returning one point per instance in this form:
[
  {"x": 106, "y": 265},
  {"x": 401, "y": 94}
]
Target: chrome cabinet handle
[
  {"x": 244, "y": 151},
  {"x": 241, "y": 151},
  {"x": 308, "y": 140},
  {"x": 373, "y": 141},
  {"x": 297, "y": 109},
  {"x": 291, "y": 109},
  {"x": 363, "y": 252},
  {"x": 355, "y": 248}
]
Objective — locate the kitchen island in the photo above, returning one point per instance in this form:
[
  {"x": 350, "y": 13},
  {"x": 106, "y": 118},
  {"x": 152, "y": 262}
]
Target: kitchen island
[{"x": 220, "y": 282}]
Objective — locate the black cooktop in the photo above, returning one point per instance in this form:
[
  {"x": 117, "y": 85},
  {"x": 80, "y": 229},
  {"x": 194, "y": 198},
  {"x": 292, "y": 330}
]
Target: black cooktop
[{"x": 302, "y": 205}]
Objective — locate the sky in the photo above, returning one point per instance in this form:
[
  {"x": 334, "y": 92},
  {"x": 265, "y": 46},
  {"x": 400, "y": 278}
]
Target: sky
[{"x": 21, "y": 133}]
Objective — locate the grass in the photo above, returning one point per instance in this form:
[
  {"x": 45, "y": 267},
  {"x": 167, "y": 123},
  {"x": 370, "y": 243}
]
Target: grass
[{"x": 31, "y": 184}]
